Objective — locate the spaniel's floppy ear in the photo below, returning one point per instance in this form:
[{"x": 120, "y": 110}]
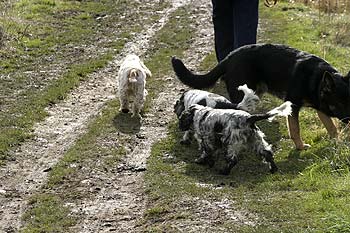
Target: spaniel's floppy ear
[
  {"x": 147, "y": 71},
  {"x": 186, "y": 120},
  {"x": 179, "y": 106}
]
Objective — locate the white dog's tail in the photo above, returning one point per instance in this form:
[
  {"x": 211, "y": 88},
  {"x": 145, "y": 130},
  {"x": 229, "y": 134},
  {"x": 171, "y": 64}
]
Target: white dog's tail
[
  {"x": 250, "y": 99},
  {"x": 284, "y": 109}
]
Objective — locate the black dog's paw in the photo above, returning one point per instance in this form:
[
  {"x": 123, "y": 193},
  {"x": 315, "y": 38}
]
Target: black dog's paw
[
  {"x": 185, "y": 142},
  {"x": 125, "y": 110}
]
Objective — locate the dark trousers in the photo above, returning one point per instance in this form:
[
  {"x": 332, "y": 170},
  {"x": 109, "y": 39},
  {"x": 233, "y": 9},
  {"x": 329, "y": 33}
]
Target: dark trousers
[{"x": 235, "y": 24}]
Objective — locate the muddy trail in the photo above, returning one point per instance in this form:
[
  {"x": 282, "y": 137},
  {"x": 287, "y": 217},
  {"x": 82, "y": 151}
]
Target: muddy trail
[{"x": 116, "y": 200}]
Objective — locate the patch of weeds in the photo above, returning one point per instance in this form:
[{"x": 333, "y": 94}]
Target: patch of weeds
[
  {"x": 157, "y": 211},
  {"x": 87, "y": 147},
  {"x": 22, "y": 117},
  {"x": 47, "y": 213}
]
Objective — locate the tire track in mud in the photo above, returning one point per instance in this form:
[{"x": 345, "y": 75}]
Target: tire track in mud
[{"x": 67, "y": 121}]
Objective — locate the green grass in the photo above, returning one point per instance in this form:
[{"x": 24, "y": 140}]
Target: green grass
[
  {"x": 48, "y": 215},
  {"x": 310, "y": 193}
]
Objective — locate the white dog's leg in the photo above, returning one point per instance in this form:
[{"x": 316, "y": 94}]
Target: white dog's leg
[
  {"x": 137, "y": 106},
  {"x": 136, "y": 109},
  {"x": 124, "y": 102},
  {"x": 139, "y": 100}
]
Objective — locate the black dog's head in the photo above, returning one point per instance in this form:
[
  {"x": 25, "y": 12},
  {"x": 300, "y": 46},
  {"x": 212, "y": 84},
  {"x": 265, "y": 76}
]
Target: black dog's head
[
  {"x": 186, "y": 119},
  {"x": 335, "y": 96},
  {"x": 179, "y": 106}
]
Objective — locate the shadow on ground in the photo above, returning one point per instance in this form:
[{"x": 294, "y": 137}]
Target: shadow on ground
[
  {"x": 124, "y": 123},
  {"x": 249, "y": 171}
]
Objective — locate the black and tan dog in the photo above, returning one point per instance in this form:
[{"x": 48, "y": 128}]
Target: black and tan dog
[{"x": 290, "y": 74}]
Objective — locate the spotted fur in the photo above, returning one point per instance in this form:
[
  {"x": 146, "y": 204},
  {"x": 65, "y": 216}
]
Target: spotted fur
[
  {"x": 204, "y": 98},
  {"x": 228, "y": 131}
]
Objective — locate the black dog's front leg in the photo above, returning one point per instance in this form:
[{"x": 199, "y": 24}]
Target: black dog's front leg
[{"x": 294, "y": 131}]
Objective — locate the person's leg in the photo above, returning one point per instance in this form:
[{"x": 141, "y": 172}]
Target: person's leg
[
  {"x": 223, "y": 27},
  {"x": 245, "y": 19}
]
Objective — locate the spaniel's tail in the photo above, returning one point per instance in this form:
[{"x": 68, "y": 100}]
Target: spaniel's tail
[
  {"x": 250, "y": 99},
  {"x": 284, "y": 109}
]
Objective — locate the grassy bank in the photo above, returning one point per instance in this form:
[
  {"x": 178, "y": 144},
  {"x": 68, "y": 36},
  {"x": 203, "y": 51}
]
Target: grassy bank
[{"x": 310, "y": 193}]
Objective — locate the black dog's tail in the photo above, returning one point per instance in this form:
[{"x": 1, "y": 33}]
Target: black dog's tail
[
  {"x": 284, "y": 109},
  {"x": 196, "y": 80}
]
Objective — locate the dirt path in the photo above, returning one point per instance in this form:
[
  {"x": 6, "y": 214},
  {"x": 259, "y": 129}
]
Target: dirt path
[{"x": 121, "y": 203}]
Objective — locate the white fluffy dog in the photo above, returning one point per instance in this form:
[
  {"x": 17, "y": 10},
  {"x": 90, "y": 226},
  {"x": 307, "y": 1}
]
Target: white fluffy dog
[{"x": 132, "y": 82}]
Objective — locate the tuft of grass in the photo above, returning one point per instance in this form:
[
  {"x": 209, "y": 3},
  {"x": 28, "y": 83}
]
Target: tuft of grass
[{"x": 47, "y": 214}]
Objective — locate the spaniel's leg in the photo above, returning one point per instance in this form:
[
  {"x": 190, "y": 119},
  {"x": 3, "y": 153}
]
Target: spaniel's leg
[
  {"x": 262, "y": 148},
  {"x": 206, "y": 155},
  {"x": 231, "y": 158},
  {"x": 186, "y": 139}
]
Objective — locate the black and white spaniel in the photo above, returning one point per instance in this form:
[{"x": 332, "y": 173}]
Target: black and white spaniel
[
  {"x": 225, "y": 132},
  {"x": 190, "y": 97}
]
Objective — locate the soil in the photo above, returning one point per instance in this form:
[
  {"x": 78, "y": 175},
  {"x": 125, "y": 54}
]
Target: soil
[{"x": 117, "y": 199}]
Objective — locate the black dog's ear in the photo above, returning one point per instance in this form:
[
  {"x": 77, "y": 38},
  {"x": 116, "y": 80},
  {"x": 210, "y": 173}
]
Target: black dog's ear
[{"x": 327, "y": 83}]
